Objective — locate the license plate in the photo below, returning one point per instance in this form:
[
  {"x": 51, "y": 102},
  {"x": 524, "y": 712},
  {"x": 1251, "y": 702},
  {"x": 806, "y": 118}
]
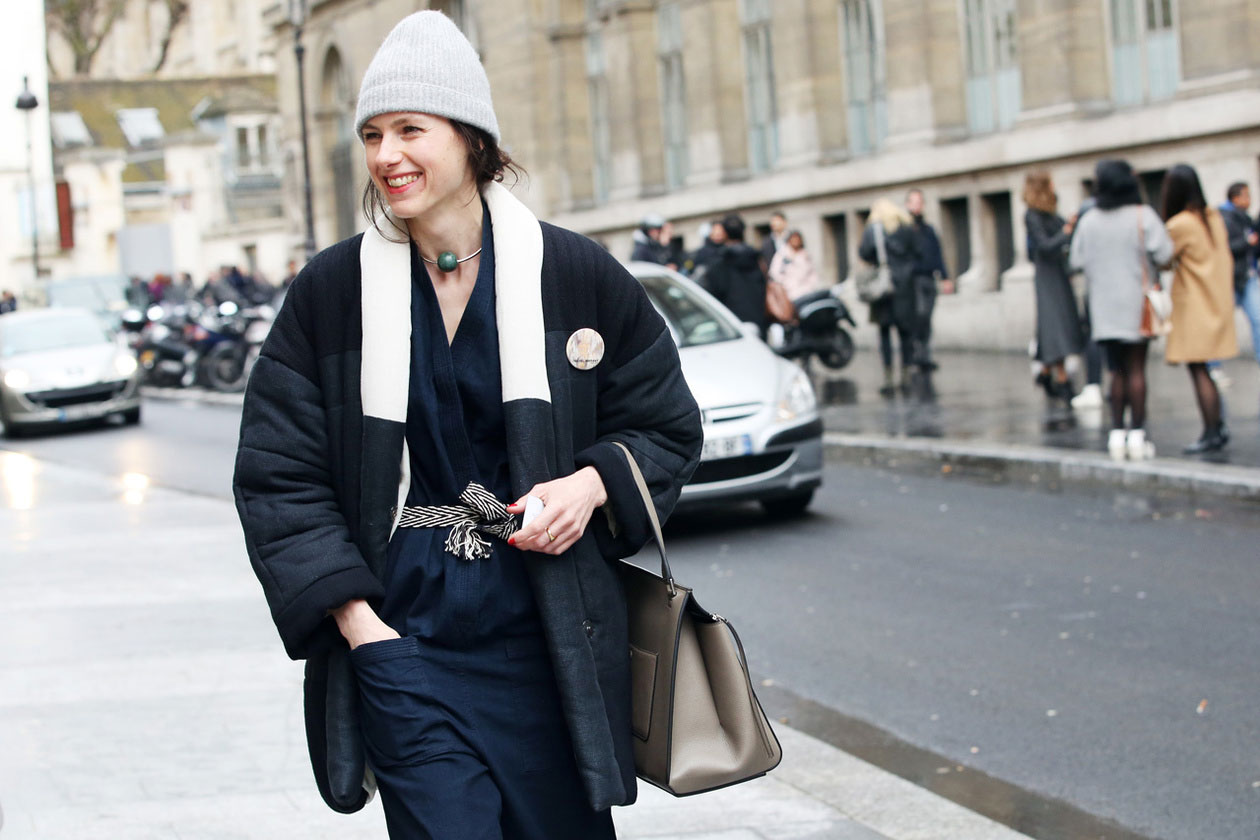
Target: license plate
[{"x": 728, "y": 447}]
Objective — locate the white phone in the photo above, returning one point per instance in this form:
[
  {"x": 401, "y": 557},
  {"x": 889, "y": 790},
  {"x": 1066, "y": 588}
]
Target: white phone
[{"x": 533, "y": 507}]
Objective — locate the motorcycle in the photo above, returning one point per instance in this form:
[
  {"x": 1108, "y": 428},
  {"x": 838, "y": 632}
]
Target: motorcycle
[
  {"x": 229, "y": 340},
  {"x": 819, "y": 331},
  {"x": 166, "y": 358}
]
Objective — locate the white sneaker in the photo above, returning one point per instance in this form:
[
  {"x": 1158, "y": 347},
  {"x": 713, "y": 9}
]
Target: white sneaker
[
  {"x": 1220, "y": 377},
  {"x": 1117, "y": 445},
  {"x": 1089, "y": 397},
  {"x": 775, "y": 336},
  {"x": 1139, "y": 448}
]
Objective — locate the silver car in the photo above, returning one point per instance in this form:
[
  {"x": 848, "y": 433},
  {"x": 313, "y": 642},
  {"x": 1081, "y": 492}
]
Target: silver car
[
  {"x": 62, "y": 366},
  {"x": 762, "y": 429}
]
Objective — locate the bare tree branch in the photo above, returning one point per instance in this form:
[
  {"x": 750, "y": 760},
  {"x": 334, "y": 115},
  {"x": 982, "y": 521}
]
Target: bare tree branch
[
  {"x": 84, "y": 25},
  {"x": 176, "y": 12}
]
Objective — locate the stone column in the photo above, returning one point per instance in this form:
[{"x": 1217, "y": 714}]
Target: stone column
[
  {"x": 637, "y": 139},
  {"x": 925, "y": 71},
  {"x": 792, "y": 34},
  {"x": 1217, "y": 36},
  {"x": 714, "y": 69}
]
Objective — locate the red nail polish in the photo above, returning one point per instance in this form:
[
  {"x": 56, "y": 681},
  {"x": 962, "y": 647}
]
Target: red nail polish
[{"x": 511, "y": 540}]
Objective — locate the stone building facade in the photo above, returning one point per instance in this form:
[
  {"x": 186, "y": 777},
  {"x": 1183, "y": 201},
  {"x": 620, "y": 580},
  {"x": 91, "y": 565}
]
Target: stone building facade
[{"x": 694, "y": 108}]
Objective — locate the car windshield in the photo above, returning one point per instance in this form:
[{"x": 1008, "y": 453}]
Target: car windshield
[
  {"x": 69, "y": 330},
  {"x": 693, "y": 320}
]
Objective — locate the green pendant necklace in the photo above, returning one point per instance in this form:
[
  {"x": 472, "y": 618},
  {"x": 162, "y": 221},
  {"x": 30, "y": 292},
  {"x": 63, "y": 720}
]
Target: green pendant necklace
[{"x": 447, "y": 261}]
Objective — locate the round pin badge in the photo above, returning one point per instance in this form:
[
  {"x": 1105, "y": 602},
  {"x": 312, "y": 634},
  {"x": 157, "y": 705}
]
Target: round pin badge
[{"x": 585, "y": 349}]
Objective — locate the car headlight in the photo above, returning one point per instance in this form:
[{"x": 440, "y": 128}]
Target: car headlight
[
  {"x": 17, "y": 379},
  {"x": 798, "y": 398},
  {"x": 125, "y": 364}
]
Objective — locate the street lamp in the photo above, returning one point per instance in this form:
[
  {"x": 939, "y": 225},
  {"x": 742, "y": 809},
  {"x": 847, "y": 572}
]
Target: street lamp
[
  {"x": 297, "y": 17},
  {"x": 27, "y": 102}
]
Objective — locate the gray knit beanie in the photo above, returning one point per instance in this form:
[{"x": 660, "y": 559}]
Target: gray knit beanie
[{"x": 426, "y": 65}]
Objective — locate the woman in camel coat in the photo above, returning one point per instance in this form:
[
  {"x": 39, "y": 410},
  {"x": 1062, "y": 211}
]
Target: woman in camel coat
[{"x": 1202, "y": 296}]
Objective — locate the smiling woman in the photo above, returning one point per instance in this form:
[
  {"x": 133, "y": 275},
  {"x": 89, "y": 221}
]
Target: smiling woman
[{"x": 476, "y": 665}]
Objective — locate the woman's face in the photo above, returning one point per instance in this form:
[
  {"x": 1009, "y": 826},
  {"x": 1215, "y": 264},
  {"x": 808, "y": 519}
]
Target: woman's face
[
  {"x": 795, "y": 241},
  {"x": 418, "y": 162}
]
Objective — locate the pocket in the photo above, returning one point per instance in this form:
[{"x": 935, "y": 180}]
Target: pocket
[{"x": 385, "y": 649}]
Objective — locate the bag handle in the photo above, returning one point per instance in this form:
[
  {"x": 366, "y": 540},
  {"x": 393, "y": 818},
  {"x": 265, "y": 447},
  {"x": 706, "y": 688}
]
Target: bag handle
[
  {"x": 1144, "y": 257},
  {"x": 666, "y": 573},
  {"x": 880, "y": 248}
]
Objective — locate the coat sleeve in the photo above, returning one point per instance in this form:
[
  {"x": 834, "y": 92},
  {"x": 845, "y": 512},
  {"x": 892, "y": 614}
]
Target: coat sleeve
[
  {"x": 297, "y": 538},
  {"x": 1046, "y": 242},
  {"x": 643, "y": 402},
  {"x": 866, "y": 249},
  {"x": 1076, "y": 252}
]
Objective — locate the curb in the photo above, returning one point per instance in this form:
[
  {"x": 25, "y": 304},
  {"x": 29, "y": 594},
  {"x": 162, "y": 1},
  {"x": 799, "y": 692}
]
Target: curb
[
  {"x": 200, "y": 395},
  {"x": 1049, "y": 466}
]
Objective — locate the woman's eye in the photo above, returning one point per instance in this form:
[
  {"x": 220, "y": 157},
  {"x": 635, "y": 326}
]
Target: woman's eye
[
  {"x": 411, "y": 129},
  {"x": 369, "y": 136}
]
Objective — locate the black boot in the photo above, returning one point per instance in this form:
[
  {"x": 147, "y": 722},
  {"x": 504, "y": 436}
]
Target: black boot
[{"x": 1211, "y": 441}]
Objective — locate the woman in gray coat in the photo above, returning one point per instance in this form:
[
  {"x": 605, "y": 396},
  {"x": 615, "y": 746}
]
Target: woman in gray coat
[
  {"x": 1117, "y": 245},
  {"x": 1058, "y": 321}
]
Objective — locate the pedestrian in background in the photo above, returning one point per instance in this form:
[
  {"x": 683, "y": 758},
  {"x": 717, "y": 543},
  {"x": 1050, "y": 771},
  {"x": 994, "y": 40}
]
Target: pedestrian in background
[
  {"x": 794, "y": 267},
  {"x": 1117, "y": 244},
  {"x": 8, "y": 302},
  {"x": 1058, "y": 319},
  {"x": 896, "y": 311},
  {"x": 712, "y": 238},
  {"x": 772, "y": 243},
  {"x": 1090, "y": 395},
  {"x": 929, "y": 272},
  {"x": 1244, "y": 245},
  {"x": 403, "y": 396},
  {"x": 1202, "y": 296},
  {"x": 647, "y": 241},
  {"x": 736, "y": 278}
]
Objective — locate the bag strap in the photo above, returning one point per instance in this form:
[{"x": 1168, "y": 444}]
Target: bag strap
[
  {"x": 1143, "y": 257},
  {"x": 666, "y": 573},
  {"x": 879, "y": 245}
]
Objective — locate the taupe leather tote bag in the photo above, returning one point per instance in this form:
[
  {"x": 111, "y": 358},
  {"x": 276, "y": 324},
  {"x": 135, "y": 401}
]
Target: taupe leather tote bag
[{"x": 697, "y": 723}]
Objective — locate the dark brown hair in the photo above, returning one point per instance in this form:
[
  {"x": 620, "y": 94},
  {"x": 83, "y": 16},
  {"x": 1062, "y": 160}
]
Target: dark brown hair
[
  {"x": 1039, "y": 192},
  {"x": 1182, "y": 191},
  {"x": 487, "y": 160}
]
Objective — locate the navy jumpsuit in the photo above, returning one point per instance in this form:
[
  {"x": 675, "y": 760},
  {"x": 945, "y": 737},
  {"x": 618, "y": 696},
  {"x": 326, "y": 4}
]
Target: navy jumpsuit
[{"x": 461, "y": 716}]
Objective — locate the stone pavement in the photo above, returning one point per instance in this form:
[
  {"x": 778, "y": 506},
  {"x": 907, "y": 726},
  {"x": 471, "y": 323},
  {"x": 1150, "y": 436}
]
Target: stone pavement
[
  {"x": 982, "y": 408},
  {"x": 144, "y": 694}
]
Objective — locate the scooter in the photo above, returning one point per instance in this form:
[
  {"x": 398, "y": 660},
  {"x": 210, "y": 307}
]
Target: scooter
[
  {"x": 819, "y": 331},
  {"x": 165, "y": 357},
  {"x": 230, "y": 342}
]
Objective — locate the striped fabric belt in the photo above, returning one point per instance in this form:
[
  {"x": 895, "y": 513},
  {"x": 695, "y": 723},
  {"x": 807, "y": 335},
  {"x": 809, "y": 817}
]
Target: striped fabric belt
[{"x": 480, "y": 514}]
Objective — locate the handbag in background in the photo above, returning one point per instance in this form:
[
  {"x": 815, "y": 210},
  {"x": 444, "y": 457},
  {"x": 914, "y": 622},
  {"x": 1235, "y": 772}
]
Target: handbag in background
[
  {"x": 697, "y": 723},
  {"x": 875, "y": 281},
  {"x": 778, "y": 305}
]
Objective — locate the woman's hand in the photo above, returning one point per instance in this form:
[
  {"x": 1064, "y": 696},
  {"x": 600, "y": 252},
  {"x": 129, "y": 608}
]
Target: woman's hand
[
  {"x": 567, "y": 506},
  {"x": 360, "y": 624}
]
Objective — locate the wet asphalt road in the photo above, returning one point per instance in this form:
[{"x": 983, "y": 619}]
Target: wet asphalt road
[{"x": 1098, "y": 649}]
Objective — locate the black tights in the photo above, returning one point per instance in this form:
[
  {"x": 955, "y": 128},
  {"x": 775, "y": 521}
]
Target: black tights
[
  {"x": 1205, "y": 392},
  {"x": 1128, "y": 383},
  {"x": 904, "y": 338}
]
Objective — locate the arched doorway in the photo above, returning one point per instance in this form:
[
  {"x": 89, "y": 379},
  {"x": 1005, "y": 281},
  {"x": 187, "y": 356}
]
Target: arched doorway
[{"x": 336, "y": 116}]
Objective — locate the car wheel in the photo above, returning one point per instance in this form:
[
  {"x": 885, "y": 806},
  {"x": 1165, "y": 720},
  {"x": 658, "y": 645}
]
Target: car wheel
[
  {"x": 786, "y": 507},
  {"x": 131, "y": 416}
]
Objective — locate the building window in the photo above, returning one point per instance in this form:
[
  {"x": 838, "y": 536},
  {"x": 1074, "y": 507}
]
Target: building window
[
  {"x": 252, "y": 153},
  {"x": 1145, "y": 63},
  {"x": 993, "y": 96},
  {"x": 863, "y": 40},
  {"x": 673, "y": 94},
  {"x": 763, "y": 131},
  {"x": 140, "y": 125},
  {"x": 601, "y": 138}
]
